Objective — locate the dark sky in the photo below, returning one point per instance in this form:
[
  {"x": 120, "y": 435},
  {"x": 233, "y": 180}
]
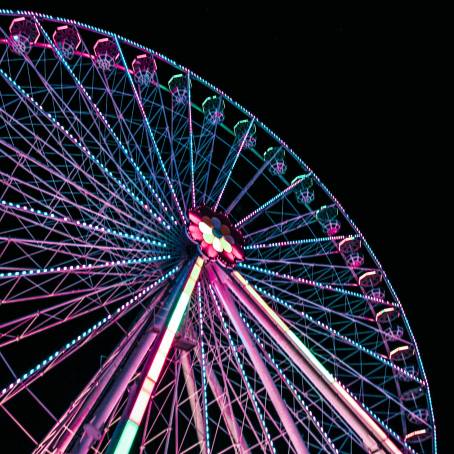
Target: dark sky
[{"x": 351, "y": 92}]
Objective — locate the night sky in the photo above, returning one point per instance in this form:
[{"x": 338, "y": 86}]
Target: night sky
[{"x": 351, "y": 92}]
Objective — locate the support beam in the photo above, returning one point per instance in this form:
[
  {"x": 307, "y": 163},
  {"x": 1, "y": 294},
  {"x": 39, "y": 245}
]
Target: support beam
[
  {"x": 126, "y": 358},
  {"x": 260, "y": 366},
  {"x": 155, "y": 363},
  {"x": 223, "y": 401},
  {"x": 189, "y": 380},
  {"x": 374, "y": 438}
]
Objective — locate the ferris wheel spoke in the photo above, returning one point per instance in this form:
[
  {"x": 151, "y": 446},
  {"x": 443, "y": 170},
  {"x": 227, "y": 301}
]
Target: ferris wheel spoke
[
  {"x": 247, "y": 187},
  {"x": 61, "y": 224},
  {"x": 269, "y": 203},
  {"x": 345, "y": 366},
  {"x": 309, "y": 282},
  {"x": 191, "y": 141},
  {"x": 42, "y": 320},
  {"x": 29, "y": 391},
  {"x": 153, "y": 141},
  {"x": 229, "y": 165},
  {"x": 360, "y": 421},
  {"x": 273, "y": 393},
  {"x": 331, "y": 274},
  {"x": 355, "y": 322},
  {"x": 298, "y": 263},
  {"x": 70, "y": 347},
  {"x": 70, "y": 246},
  {"x": 39, "y": 184},
  {"x": 137, "y": 147},
  {"x": 178, "y": 132},
  {"x": 130, "y": 353},
  {"x": 318, "y": 327},
  {"x": 65, "y": 268},
  {"x": 281, "y": 228},
  {"x": 240, "y": 389},
  {"x": 300, "y": 411},
  {"x": 293, "y": 243},
  {"x": 66, "y": 248},
  {"x": 100, "y": 116},
  {"x": 18, "y": 424},
  {"x": 156, "y": 361},
  {"x": 205, "y": 147},
  {"x": 190, "y": 383},
  {"x": 75, "y": 139}
]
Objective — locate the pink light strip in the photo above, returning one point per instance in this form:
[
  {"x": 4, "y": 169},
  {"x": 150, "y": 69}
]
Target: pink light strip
[
  {"x": 143, "y": 398},
  {"x": 339, "y": 389}
]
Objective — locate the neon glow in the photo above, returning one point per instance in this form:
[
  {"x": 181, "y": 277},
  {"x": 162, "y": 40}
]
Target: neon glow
[
  {"x": 387, "y": 312},
  {"x": 217, "y": 238},
  {"x": 415, "y": 434},
  {"x": 398, "y": 351},
  {"x": 105, "y": 163},
  {"x": 338, "y": 388},
  {"x": 135, "y": 416}
]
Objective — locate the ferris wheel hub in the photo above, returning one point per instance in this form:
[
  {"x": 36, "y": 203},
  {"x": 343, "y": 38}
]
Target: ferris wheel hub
[{"x": 216, "y": 236}]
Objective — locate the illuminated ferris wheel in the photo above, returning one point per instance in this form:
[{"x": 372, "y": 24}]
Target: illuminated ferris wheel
[{"x": 150, "y": 222}]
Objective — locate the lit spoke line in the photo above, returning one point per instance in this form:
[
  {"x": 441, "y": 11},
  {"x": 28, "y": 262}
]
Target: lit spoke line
[
  {"x": 71, "y": 346},
  {"x": 262, "y": 371},
  {"x": 318, "y": 326},
  {"x": 365, "y": 322},
  {"x": 191, "y": 145},
  {"x": 286, "y": 226},
  {"x": 203, "y": 367},
  {"x": 40, "y": 184},
  {"x": 211, "y": 142},
  {"x": 240, "y": 369},
  {"x": 229, "y": 173},
  {"x": 221, "y": 391},
  {"x": 298, "y": 180},
  {"x": 300, "y": 280},
  {"x": 68, "y": 157},
  {"x": 75, "y": 167},
  {"x": 280, "y": 244},
  {"x": 199, "y": 420},
  {"x": 94, "y": 107},
  {"x": 74, "y": 139},
  {"x": 29, "y": 391},
  {"x": 311, "y": 265},
  {"x": 57, "y": 314},
  {"x": 131, "y": 135},
  {"x": 323, "y": 375},
  {"x": 66, "y": 269},
  {"x": 144, "y": 396},
  {"x": 21, "y": 426},
  {"x": 246, "y": 188},
  {"x": 65, "y": 248},
  {"x": 94, "y": 228},
  {"x": 291, "y": 387},
  {"x": 170, "y": 136},
  {"x": 150, "y": 133}
]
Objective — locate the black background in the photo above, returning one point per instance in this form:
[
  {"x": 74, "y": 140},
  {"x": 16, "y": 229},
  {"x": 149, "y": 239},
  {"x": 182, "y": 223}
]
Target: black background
[{"x": 354, "y": 93}]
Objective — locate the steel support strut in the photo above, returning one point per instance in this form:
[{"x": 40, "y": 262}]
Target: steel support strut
[
  {"x": 281, "y": 408},
  {"x": 102, "y": 394},
  {"x": 189, "y": 379},
  {"x": 373, "y": 437},
  {"x": 222, "y": 399},
  {"x": 154, "y": 365}
]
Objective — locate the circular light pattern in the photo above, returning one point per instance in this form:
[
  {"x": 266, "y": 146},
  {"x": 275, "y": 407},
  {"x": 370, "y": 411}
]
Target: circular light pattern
[{"x": 216, "y": 236}]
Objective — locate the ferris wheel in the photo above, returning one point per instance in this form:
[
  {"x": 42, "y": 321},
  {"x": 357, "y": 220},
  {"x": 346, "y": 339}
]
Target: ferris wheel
[{"x": 173, "y": 277}]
